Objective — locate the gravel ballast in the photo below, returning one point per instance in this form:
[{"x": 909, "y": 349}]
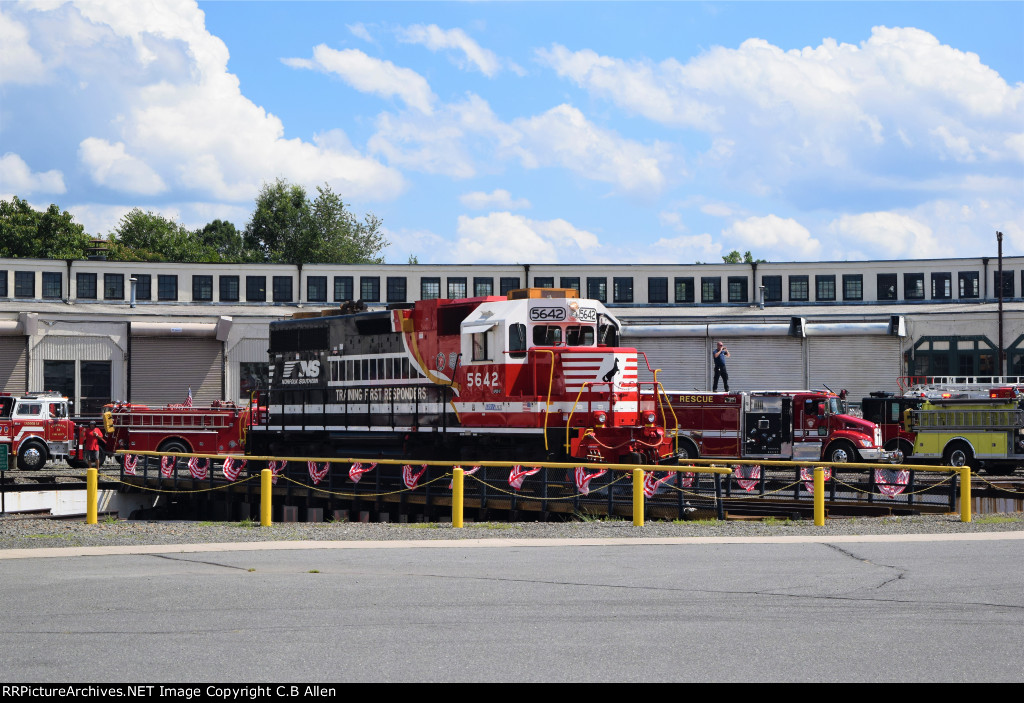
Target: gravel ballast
[{"x": 23, "y": 533}]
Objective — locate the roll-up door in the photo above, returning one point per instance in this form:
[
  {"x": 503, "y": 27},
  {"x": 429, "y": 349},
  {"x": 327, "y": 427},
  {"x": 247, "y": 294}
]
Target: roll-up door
[
  {"x": 164, "y": 368},
  {"x": 682, "y": 360},
  {"x": 860, "y": 364},
  {"x": 762, "y": 363},
  {"x": 13, "y": 366}
]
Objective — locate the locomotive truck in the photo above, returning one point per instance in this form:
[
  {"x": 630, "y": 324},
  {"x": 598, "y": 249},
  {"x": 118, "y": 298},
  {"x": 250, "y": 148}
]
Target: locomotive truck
[
  {"x": 537, "y": 374},
  {"x": 782, "y": 425}
]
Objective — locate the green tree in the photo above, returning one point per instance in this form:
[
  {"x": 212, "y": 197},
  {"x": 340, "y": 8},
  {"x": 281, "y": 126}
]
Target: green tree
[
  {"x": 287, "y": 228},
  {"x": 149, "y": 236},
  {"x": 733, "y": 257},
  {"x": 28, "y": 233},
  {"x": 224, "y": 238}
]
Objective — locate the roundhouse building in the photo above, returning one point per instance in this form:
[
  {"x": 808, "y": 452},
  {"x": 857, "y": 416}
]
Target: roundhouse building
[{"x": 148, "y": 332}]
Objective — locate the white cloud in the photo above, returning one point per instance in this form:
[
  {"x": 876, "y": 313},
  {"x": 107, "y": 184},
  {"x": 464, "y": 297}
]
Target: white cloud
[
  {"x": 787, "y": 238},
  {"x": 359, "y": 30},
  {"x": 502, "y": 237},
  {"x": 435, "y": 39},
  {"x": 899, "y": 235},
  {"x": 19, "y": 61},
  {"x": 687, "y": 249},
  {"x": 16, "y": 178},
  {"x": 779, "y": 120},
  {"x": 499, "y": 199},
  {"x": 111, "y": 166},
  {"x": 369, "y": 75},
  {"x": 154, "y": 103}
]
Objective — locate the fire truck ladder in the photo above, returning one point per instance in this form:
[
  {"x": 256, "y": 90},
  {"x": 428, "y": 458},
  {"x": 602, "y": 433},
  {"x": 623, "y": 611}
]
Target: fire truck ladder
[
  {"x": 967, "y": 420},
  {"x": 175, "y": 420},
  {"x": 956, "y": 383}
]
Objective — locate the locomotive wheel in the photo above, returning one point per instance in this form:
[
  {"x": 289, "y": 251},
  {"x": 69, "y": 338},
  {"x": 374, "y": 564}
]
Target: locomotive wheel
[
  {"x": 958, "y": 454},
  {"x": 32, "y": 456},
  {"x": 841, "y": 452}
]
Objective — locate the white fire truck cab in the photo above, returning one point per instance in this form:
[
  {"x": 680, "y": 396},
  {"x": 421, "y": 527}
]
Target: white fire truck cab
[{"x": 36, "y": 427}]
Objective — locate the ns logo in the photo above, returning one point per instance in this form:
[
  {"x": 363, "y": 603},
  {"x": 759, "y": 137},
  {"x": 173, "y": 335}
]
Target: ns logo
[{"x": 305, "y": 369}]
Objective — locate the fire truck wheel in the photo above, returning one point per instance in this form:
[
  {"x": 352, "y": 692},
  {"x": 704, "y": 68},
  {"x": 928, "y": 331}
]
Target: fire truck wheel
[
  {"x": 958, "y": 454},
  {"x": 175, "y": 447},
  {"x": 32, "y": 456},
  {"x": 841, "y": 452},
  {"x": 687, "y": 450}
]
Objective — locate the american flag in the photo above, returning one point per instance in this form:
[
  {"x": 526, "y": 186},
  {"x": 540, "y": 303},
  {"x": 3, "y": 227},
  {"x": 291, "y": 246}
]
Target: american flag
[
  {"x": 747, "y": 476},
  {"x": 232, "y": 470},
  {"x": 451, "y": 484},
  {"x": 357, "y": 471},
  {"x": 519, "y": 474},
  {"x": 411, "y": 479},
  {"x": 198, "y": 470},
  {"x": 891, "y": 482},
  {"x": 130, "y": 461},
  {"x": 583, "y": 479},
  {"x": 188, "y": 400},
  {"x": 317, "y": 474},
  {"x": 167, "y": 465},
  {"x": 653, "y": 483},
  {"x": 807, "y": 476},
  {"x": 276, "y": 468}
]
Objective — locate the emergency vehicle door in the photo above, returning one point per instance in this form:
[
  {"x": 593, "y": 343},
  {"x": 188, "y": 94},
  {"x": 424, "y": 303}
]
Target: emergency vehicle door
[
  {"x": 762, "y": 425},
  {"x": 56, "y": 422}
]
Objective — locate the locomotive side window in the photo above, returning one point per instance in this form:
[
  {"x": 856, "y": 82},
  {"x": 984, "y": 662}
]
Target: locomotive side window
[
  {"x": 547, "y": 335},
  {"x": 579, "y": 336},
  {"x": 517, "y": 341},
  {"x": 481, "y": 346}
]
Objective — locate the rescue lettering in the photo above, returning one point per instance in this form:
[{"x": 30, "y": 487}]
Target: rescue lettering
[{"x": 695, "y": 398}]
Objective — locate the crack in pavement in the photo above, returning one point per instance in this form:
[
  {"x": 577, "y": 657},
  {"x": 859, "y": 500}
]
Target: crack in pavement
[
  {"x": 900, "y": 572},
  {"x": 198, "y": 561}
]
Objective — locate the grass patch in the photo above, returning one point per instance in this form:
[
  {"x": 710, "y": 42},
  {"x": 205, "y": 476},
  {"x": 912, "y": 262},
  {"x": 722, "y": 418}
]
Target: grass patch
[
  {"x": 774, "y": 521},
  {"x": 248, "y": 523},
  {"x": 110, "y": 520},
  {"x": 313, "y": 571},
  {"x": 995, "y": 520}
]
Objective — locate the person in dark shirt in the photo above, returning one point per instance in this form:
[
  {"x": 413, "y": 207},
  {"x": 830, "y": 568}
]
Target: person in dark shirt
[{"x": 719, "y": 355}]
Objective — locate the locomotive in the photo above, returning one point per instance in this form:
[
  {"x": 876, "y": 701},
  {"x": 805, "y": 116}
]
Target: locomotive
[{"x": 537, "y": 374}]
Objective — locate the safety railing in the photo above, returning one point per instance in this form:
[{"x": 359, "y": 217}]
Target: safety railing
[{"x": 572, "y": 489}]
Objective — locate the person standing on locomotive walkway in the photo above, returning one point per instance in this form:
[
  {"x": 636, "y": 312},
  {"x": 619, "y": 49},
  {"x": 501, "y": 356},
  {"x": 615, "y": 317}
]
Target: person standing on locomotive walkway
[{"x": 719, "y": 355}]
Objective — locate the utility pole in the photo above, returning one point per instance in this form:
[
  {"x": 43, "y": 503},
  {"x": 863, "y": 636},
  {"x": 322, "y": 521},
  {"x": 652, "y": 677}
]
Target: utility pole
[{"x": 1002, "y": 352}]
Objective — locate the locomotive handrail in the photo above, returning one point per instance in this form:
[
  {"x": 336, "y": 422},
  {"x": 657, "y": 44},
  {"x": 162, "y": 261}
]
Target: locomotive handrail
[{"x": 551, "y": 383}]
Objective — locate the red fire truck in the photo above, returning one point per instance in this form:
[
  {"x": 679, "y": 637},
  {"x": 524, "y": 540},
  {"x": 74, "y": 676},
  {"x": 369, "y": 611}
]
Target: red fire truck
[
  {"x": 177, "y": 429},
  {"x": 785, "y": 425},
  {"x": 37, "y": 427}
]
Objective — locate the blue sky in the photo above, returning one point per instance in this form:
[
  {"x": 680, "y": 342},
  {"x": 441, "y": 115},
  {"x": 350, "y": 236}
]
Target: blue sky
[{"x": 571, "y": 132}]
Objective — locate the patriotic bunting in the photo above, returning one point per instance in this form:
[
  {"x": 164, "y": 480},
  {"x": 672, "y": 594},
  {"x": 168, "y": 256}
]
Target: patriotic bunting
[
  {"x": 276, "y": 468},
  {"x": 232, "y": 470},
  {"x": 583, "y": 479},
  {"x": 410, "y": 478},
  {"x": 519, "y": 474},
  {"x": 652, "y": 483},
  {"x": 892, "y": 482},
  {"x": 198, "y": 470},
  {"x": 357, "y": 471},
  {"x": 747, "y": 476},
  {"x": 807, "y": 476},
  {"x": 130, "y": 462},
  {"x": 317, "y": 474},
  {"x": 188, "y": 400},
  {"x": 687, "y": 480},
  {"x": 167, "y": 465},
  {"x": 472, "y": 471}
]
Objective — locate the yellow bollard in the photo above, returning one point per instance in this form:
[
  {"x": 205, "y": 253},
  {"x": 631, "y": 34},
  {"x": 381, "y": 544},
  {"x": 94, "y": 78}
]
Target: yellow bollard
[
  {"x": 458, "y": 476},
  {"x": 92, "y": 480},
  {"x": 965, "y": 494},
  {"x": 265, "y": 497},
  {"x": 819, "y": 496},
  {"x": 638, "y": 497}
]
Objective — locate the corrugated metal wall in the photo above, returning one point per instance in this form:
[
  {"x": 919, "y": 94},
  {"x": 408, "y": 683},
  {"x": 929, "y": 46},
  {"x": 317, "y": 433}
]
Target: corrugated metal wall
[
  {"x": 860, "y": 364},
  {"x": 682, "y": 360},
  {"x": 761, "y": 363},
  {"x": 164, "y": 368}
]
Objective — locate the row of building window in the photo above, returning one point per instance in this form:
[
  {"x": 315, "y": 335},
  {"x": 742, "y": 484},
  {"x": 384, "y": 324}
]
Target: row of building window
[{"x": 827, "y": 287}]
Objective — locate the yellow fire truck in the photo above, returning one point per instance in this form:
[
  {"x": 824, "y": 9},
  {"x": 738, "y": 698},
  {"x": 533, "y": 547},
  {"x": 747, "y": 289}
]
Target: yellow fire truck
[{"x": 983, "y": 433}]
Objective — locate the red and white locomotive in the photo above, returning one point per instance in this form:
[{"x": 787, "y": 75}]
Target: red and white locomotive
[{"x": 537, "y": 374}]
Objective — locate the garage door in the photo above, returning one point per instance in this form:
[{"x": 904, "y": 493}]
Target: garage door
[
  {"x": 860, "y": 364},
  {"x": 763, "y": 363},
  {"x": 164, "y": 368},
  {"x": 682, "y": 360},
  {"x": 13, "y": 366}
]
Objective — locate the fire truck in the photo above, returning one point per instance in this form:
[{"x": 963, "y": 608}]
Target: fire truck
[
  {"x": 889, "y": 411},
  {"x": 37, "y": 427},
  {"x": 983, "y": 433},
  {"x": 785, "y": 425},
  {"x": 178, "y": 429}
]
